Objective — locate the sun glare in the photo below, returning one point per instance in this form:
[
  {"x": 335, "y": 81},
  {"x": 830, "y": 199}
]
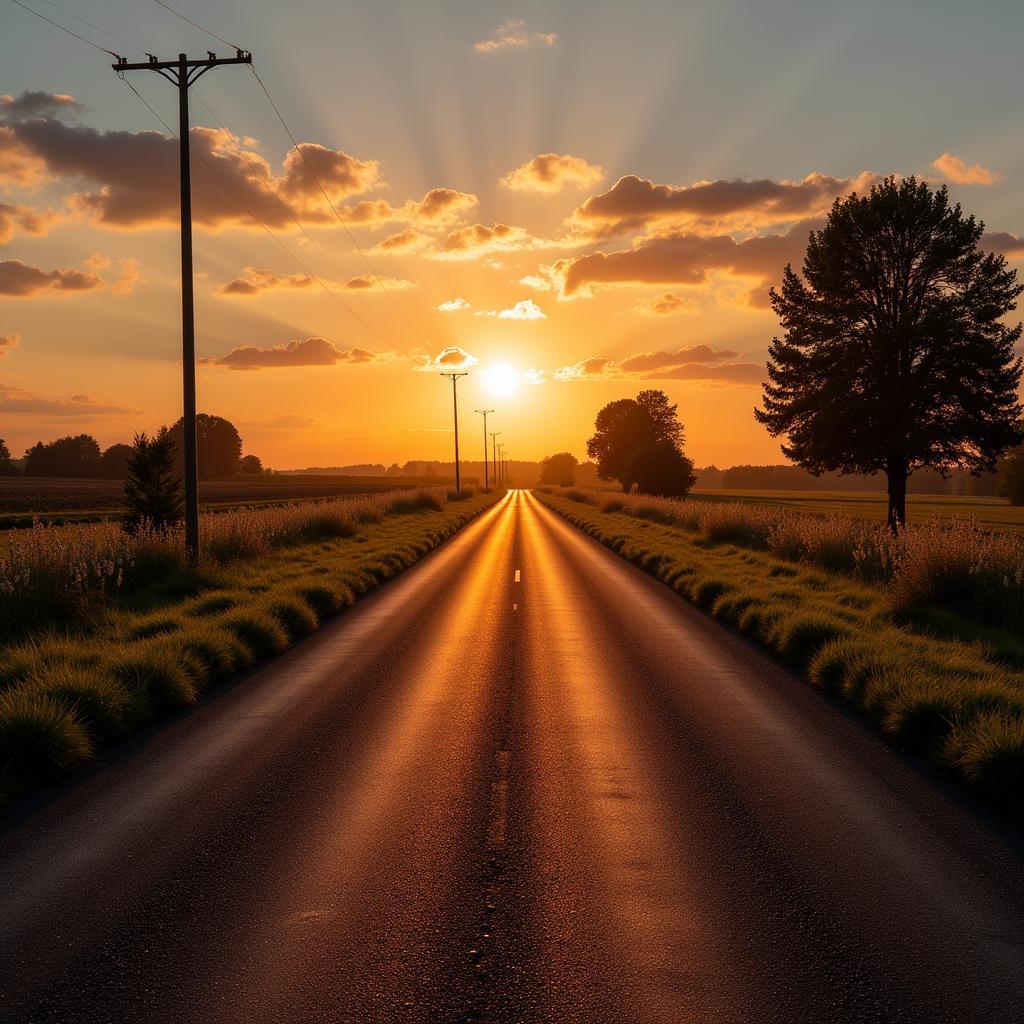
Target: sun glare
[{"x": 501, "y": 381}]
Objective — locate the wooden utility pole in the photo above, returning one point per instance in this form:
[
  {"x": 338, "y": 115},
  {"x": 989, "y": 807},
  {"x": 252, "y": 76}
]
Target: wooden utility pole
[
  {"x": 455, "y": 405},
  {"x": 182, "y": 73},
  {"x": 495, "y": 434},
  {"x": 484, "y": 412}
]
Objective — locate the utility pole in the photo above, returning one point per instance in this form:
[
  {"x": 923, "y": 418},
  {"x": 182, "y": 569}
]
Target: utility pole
[
  {"x": 455, "y": 406},
  {"x": 182, "y": 73},
  {"x": 495, "y": 434},
  {"x": 484, "y": 412},
  {"x": 501, "y": 465}
]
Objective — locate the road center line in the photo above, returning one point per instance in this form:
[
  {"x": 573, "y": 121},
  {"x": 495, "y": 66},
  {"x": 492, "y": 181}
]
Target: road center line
[
  {"x": 517, "y": 575},
  {"x": 497, "y": 826}
]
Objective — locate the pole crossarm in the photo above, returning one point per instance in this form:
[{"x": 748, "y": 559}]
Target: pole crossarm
[{"x": 212, "y": 61}]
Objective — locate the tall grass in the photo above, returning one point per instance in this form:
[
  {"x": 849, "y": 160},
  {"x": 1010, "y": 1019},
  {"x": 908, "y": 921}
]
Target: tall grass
[
  {"x": 936, "y": 565},
  {"x": 68, "y": 574}
]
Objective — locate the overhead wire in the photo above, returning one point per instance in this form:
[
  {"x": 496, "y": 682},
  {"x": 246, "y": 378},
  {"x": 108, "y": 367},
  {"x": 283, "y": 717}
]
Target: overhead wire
[
  {"x": 195, "y": 24},
  {"x": 64, "y": 28},
  {"x": 96, "y": 28}
]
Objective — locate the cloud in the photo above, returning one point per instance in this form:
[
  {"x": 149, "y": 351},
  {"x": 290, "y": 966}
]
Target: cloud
[
  {"x": 649, "y": 361},
  {"x": 257, "y": 280},
  {"x": 666, "y": 304},
  {"x": 19, "y": 280},
  {"x": 452, "y": 306},
  {"x": 409, "y": 240},
  {"x": 1005, "y": 243},
  {"x": 376, "y": 283},
  {"x": 449, "y": 359},
  {"x": 9, "y": 341},
  {"x": 227, "y": 177},
  {"x": 526, "y": 309},
  {"x": 634, "y": 204},
  {"x": 685, "y": 259},
  {"x": 538, "y": 282},
  {"x": 552, "y": 172},
  {"x": 957, "y": 171},
  {"x": 15, "y": 401},
  {"x": 305, "y": 352},
  {"x": 18, "y": 219},
  {"x": 476, "y": 240},
  {"x": 697, "y": 363},
  {"x": 32, "y": 103},
  {"x": 127, "y": 278},
  {"x": 513, "y": 35}
]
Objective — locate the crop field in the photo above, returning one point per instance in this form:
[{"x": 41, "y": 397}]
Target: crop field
[
  {"x": 988, "y": 513},
  {"x": 77, "y": 500}
]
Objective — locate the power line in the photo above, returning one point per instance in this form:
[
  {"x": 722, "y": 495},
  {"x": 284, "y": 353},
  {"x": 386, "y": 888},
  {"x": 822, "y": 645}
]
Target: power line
[
  {"x": 102, "y": 31},
  {"x": 323, "y": 190},
  {"x": 195, "y": 24},
  {"x": 63, "y": 28},
  {"x": 255, "y": 217}
]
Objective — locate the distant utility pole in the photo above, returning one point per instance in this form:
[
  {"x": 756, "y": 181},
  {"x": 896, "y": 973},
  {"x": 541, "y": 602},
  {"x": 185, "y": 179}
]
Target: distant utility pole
[
  {"x": 501, "y": 465},
  {"x": 183, "y": 73},
  {"x": 484, "y": 412},
  {"x": 495, "y": 434},
  {"x": 455, "y": 405}
]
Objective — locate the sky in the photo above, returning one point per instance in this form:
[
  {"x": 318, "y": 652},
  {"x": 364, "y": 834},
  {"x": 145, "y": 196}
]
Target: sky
[{"x": 570, "y": 200}]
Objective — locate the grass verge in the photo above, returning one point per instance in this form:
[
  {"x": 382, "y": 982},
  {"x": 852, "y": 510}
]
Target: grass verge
[
  {"x": 954, "y": 695},
  {"x": 68, "y": 687}
]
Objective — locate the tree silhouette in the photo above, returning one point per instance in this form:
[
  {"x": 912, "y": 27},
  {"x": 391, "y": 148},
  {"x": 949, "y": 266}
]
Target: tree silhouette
[
  {"x": 559, "y": 469},
  {"x": 153, "y": 490},
  {"x": 632, "y": 442},
  {"x": 250, "y": 464},
  {"x": 7, "y": 467},
  {"x": 1011, "y": 477},
  {"x": 114, "y": 462},
  {"x": 895, "y": 355},
  {"x": 218, "y": 444},
  {"x": 68, "y": 456}
]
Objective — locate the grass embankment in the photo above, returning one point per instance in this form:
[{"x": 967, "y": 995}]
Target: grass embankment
[
  {"x": 993, "y": 514},
  {"x": 923, "y": 633},
  {"x": 101, "y": 631}
]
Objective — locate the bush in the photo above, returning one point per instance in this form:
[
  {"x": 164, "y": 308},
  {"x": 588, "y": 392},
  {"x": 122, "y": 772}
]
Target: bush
[
  {"x": 98, "y": 701},
  {"x": 295, "y": 615},
  {"x": 156, "y": 675},
  {"x": 262, "y": 634},
  {"x": 39, "y": 737}
]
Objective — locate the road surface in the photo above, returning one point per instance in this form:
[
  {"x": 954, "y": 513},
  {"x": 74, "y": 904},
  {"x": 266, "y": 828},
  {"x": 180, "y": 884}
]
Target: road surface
[{"x": 523, "y": 782}]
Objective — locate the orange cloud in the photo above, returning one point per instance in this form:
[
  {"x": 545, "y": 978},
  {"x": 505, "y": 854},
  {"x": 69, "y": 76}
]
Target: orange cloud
[
  {"x": 957, "y": 171},
  {"x": 21, "y": 281},
  {"x": 666, "y": 304},
  {"x": 259, "y": 280},
  {"x": 448, "y": 359},
  {"x": 452, "y": 306},
  {"x": 552, "y": 172},
  {"x": 700, "y": 362},
  {"x": 649, "y": 361},
  {"x": 8, "y": 341},
  {"x": 685, "y": 259},
  {"x": 409, "y": 240},
  {"x": 15, "y": 219},
  {"x": 1005, "y": 243},
  {"x": 305, "y": 352},
  {"x": 476, "y": 240},
  {"x": 634, "y": 204},
  {"x": 526, "y": 309},
  {"x": 15, "y": 401},
  {"x": 513, "y": 35},
  {"x": 32, "y": 103}
]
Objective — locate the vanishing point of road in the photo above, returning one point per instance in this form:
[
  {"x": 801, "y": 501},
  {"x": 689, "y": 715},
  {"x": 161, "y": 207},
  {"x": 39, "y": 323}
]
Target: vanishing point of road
[{"x": 524, "y": 782}]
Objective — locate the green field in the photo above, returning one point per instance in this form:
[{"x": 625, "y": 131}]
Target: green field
[{"x": 989, "y": 513}]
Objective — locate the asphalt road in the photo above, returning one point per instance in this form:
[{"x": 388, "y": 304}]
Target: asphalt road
[{"x": 523, "y": 782}]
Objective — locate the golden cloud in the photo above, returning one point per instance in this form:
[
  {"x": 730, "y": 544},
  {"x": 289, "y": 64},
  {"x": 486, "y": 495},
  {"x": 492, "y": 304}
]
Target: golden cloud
[
  {"x": 18, "y": 219},
  {"x": 525, "y": 309},
  {"x": 956, "y": 170},
  {"x": 476, "y": 240},
  {"x": 313, "y": 351},
  {"x": 22, "y": 281},
  {"x": 452, "y": 358},
  {"x": 9, "y": 341},
  {"x": 513, "y": 35},
  {"x": 452, "y": 306},
  {"x": 696, "y": 363},
  {"x": 15, "y": 401},
  {"x": 666, "y": 304},
  {"x": 552, "y": 172}
]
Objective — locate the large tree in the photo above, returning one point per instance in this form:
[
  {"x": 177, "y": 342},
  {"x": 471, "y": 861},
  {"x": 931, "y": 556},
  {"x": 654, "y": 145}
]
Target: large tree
[
  {"x": 895, "y": 354},
  {"x": 632, "y": 442},
  {"x": 559, "y": 469},
  {"x": 218, "y": 443},
  {"x": 67, "y": 456},
  {"x": 1011, "y": 477}
]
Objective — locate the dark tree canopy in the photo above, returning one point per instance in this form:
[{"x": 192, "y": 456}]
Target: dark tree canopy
[
  {"x": 631, "y": 443},
  {"x": 1011, "y": 476},
  {"x": 251, "y": 464},
  {"x": 895, "y": 354},
  {"x": 7, "y": 466},
  {"x": 114, "y": 462},
  {"x": 218, "y": 443},
  {"x": 559, "y": 469},
  {"x": 68, "y": 456},
  {"x": 153, "y": 490}
]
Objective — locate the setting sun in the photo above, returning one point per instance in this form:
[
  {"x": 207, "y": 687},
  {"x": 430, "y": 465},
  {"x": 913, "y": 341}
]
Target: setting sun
[{"x": 502, "y": 380}]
